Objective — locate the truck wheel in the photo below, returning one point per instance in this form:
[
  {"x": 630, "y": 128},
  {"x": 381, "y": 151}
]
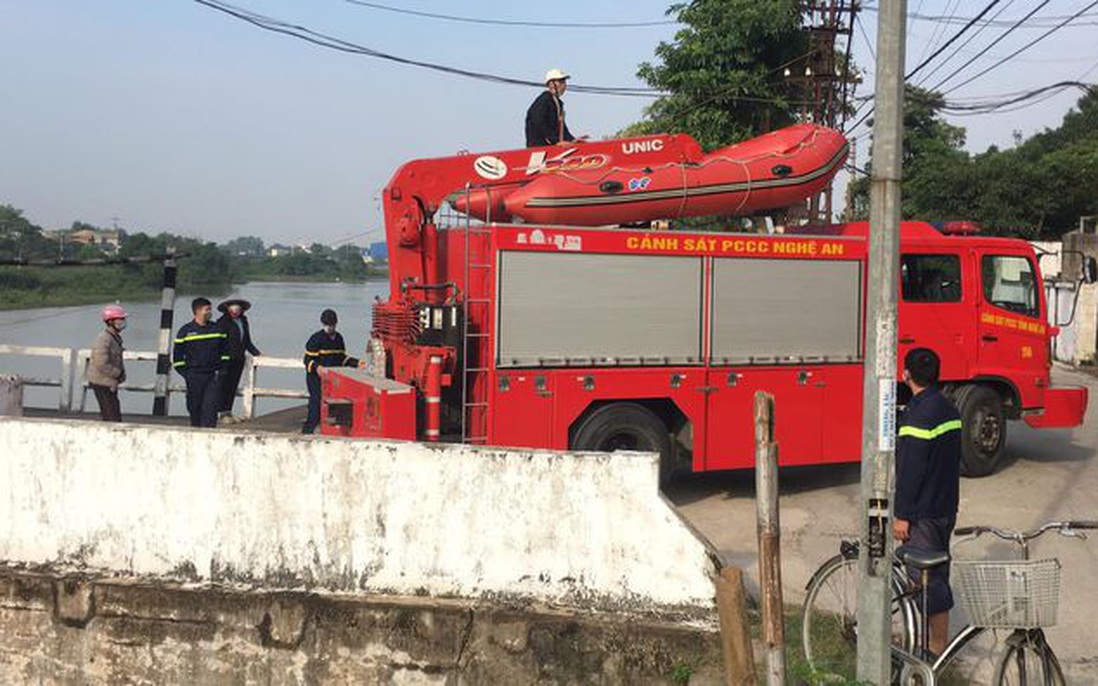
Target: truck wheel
[
  {"x": 983, "y": 429},
  {"x": 626, "y": 426}
]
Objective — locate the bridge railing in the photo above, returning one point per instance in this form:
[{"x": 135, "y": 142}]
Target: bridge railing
[{"x": 74, "y": 367}]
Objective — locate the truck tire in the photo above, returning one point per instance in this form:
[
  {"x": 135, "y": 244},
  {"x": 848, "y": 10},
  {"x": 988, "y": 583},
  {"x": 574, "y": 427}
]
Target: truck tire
[
  {"x": 983, "y": 429},
  {"x": 626, "y": 426}
]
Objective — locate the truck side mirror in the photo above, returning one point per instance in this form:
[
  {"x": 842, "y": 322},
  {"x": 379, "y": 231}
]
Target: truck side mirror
[{"x": 1090, "y": 270}]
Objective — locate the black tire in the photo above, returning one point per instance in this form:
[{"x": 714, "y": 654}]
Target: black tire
[
  {"x": 829, "y": 628},
  {"x": 983, "y": 429},
  {"x": 1028, "y": 661},
  {"x": 626, "y": 426}
]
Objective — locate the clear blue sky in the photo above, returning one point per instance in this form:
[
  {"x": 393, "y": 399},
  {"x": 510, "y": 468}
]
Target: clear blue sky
[{"x": 170, "y": 116}]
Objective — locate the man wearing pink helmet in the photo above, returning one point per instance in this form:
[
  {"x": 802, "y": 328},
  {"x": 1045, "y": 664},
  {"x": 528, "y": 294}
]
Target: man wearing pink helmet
[{"x": 105, "y": 369}]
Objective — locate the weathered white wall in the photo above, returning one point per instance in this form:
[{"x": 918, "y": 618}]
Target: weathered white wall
[{"x": 344, "y": 515}]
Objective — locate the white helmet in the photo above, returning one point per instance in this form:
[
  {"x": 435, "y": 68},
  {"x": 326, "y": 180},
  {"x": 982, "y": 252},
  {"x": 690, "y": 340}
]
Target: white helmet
[{"x": 556, "y": 75}]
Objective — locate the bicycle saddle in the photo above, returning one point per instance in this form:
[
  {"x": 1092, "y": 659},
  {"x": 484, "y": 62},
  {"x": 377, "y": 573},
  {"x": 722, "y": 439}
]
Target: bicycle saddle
[{"x": 923, "y": 559}]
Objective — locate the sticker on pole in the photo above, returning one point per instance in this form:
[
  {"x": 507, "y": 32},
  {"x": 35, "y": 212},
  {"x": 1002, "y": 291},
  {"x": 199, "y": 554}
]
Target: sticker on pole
[{"x": 886, "y": 418}]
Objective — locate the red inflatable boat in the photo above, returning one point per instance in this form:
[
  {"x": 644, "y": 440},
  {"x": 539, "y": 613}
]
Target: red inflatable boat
[{"x": 775, "y": 170}]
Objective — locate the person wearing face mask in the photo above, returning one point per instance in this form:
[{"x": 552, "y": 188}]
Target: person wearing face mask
[
  {"x": 234, "y": 323},
  {"x": 199, "y": 354},
  {"x": 105, "y": 368},
  {"x": 325, "y": 348}
]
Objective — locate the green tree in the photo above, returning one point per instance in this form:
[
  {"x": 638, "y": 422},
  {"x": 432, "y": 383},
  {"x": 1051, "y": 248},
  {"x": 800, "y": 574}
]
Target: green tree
[
  {"x": 1039, "y": 188},
  {"x": 936, "y": 168},
  {"x": 724, "y": 71},
  {"x": 250, "y": 246}
]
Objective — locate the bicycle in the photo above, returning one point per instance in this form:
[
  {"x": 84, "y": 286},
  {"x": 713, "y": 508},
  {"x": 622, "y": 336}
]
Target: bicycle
[{"x": 1019, "y": 594}]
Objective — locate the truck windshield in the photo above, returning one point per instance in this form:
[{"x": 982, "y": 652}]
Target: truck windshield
[{"x": 1010, "y": 283}]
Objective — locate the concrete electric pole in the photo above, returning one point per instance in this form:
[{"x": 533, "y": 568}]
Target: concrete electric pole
[{"x": 879, "y": 410}]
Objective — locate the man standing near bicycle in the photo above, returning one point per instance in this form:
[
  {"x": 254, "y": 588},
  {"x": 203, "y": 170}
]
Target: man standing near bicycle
[{"x": 928, "y": 481}]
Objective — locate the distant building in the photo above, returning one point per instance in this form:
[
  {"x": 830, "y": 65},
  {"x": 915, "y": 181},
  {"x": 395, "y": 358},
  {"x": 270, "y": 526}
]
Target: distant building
[
  {"x": 278, "y": 250},
  {"x": 107, "y": 240}
]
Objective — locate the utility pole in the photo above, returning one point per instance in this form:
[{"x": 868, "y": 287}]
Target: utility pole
[{"x": 879, "y": 393}]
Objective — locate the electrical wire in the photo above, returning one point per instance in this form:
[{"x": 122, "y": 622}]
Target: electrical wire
[
  {"x": 939, "y": 28},
  {"x": 506, "y": 22},
  {"x": 926, "y": 76},
  {"x": 865, "y": 35},
  {"x": 989, "y": 46},
  {"x": 1042, "y": 23},
  {"x": 303, "y": 33},
  {"x": 961, "y": 32},
  {"x": 1025, "y": 47}
]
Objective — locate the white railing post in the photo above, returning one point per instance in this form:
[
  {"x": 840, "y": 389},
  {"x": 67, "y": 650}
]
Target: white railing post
[
  {"x": 83, "y": 361},
  {"x": 68, "y": 372}
]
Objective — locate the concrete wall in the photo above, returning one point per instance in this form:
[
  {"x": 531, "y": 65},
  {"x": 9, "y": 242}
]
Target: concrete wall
[
  {"x": 75, "y": 630},
  {"x": 1086, "y": 314},
  {"x": 1078, "y": 342},
  {"x": 586, "y": 530}
]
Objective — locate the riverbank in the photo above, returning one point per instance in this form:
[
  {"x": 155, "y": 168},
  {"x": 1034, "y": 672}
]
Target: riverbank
[{"x": 23, "y": 288}]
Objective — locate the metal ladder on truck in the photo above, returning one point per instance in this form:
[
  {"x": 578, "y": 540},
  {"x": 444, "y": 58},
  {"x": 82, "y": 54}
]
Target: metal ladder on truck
[{"x": 476, "y": 337}]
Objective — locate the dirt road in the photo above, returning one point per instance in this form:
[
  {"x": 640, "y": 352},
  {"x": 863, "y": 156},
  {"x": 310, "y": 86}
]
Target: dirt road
[{"x": 1049, "y": 474}]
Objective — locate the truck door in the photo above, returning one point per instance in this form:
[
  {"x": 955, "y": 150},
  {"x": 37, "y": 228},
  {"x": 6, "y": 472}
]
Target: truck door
[
  {"x": 1012, "y": 328},
  {"x": 786, "y": 326},
  {"x": 935, "y": 311}
]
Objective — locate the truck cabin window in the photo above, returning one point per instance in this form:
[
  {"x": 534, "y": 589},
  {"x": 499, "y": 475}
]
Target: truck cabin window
[
  {"x": 930, "y": 278},
  {"x": 1010, "y": 284}
]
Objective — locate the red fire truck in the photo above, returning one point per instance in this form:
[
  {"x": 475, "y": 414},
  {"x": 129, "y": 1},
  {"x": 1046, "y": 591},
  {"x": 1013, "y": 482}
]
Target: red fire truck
[{"x": 604, "y": 338}]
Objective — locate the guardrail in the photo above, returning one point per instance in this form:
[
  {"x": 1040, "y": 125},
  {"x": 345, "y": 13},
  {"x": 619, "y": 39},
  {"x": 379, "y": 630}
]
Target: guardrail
[{"x": 74, "y": 367}]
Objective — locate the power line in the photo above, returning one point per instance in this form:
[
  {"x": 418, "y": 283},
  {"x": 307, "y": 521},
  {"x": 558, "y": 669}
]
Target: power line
[
  {"x": 303, "y": 33},
  {"x": 926, "y": 77},
  {"x": 507, "y": 22},
  {"x": 939, "y": 28},
  {"x": 1043, "y": 22},
  {"x": 989, "y": 46},
  {"x": 865, "y": 35},
  {"x": 990, "y": 104},
  {"x": 964, "y": 29},
  {"x": 323, "y": 40},
  {"x": 992, "y": 107},
  {"x": 1025, "y": 47},
  {"x": 940, "y": 50}
]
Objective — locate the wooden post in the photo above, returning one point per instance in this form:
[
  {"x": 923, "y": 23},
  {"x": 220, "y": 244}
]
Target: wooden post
[
  {"x": 739, "y": 658},
  {"x": 769, "y": 532}
]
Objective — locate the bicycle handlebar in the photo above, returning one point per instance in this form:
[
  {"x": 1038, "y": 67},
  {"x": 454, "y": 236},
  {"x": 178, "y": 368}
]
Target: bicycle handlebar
[{"x": 1064, "y": 528}]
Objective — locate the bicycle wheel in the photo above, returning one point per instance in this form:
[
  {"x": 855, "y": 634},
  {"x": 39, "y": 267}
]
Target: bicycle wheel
[
  {"x": 1028, "y": 661},
  {"x": 829, "y": 631}
]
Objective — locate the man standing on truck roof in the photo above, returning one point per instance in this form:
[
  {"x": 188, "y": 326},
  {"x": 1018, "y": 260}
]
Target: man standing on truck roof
[
  {"x": 545, "y": 122},
  {"x": 200, "y": 351},
  {"x": 325, "y": 348},
  {"x": 928, "y": 481}
]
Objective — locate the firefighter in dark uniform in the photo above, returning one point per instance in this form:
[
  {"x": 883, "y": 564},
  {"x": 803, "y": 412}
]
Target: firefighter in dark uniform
[
  {"x": 201, "y": 349},
  {"x": 325, "y": 348},
  {"x": 545, "y": 121},
  {"x": 928, "y": 481}
]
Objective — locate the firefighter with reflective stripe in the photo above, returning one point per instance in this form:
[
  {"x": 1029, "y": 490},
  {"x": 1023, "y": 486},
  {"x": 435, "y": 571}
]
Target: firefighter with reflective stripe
[
  {"x": 325, "y": 348},
  {"x": 928, "y": 481},
  {"x": 200, "y": 351}
]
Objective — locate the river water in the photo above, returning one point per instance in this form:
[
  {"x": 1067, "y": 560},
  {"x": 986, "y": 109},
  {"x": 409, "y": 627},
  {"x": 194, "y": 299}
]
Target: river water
[{"x": 282, "y": 318}]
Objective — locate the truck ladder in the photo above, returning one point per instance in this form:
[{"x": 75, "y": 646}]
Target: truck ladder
[{"x": 475, "y": 341}]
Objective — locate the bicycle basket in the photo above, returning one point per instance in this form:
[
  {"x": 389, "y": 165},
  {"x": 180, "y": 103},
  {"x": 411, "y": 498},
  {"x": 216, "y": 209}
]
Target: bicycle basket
[{"x": 1010, "y": 594}]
